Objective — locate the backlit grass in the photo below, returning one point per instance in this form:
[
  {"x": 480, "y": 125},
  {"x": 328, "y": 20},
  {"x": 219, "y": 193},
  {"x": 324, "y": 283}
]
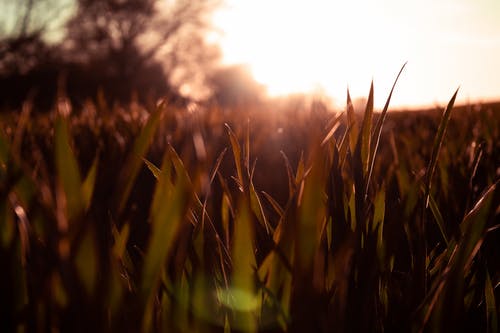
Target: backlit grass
[{"x": 168, "y": 220}]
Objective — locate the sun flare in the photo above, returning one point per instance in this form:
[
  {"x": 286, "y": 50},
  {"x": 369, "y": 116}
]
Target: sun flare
[{"x": 299, "y": 46}]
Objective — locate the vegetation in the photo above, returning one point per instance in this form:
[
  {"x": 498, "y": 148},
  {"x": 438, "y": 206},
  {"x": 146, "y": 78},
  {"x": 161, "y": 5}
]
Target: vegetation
[
  {"x": 132, "y": 49},
  {"x": 199, "y": 220}
]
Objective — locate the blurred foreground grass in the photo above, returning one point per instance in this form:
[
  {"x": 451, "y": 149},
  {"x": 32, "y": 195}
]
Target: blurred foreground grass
[{"x": 304, "y": 220}]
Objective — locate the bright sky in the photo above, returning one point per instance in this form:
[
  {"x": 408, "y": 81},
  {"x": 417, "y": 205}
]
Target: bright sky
[{"x": 319, "y": 45}]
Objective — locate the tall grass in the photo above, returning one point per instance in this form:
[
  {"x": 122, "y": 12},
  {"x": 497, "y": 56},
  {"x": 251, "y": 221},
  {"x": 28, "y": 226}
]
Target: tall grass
[{"x": 173, "y": 222}]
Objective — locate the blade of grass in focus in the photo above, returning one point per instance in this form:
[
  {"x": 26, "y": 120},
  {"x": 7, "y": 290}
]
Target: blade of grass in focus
[
  {"x": 439, "y": 218},
  {"x": 366, "y": 136},
  {"x": 420, "y": 243},
  {"x": 449, "y": 289},
  {"x": 378, "y": 131},
  {"x": 438, "y": 142}
]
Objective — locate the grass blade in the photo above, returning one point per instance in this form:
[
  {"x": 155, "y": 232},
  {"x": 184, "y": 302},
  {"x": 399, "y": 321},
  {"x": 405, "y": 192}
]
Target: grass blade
[
  {"x": 291, "y": 178},
  {"x": 378, "y": 218},
  {"x": 236, "y": 154},
  {"x": 242, "y": 298},
  {"x": 473, "y": 226},
  {"x": 333, "y": 128},
  {"x": 134, "y": 162},
  {"x": 153, "y": 168},
  {"x": 366, "y": 127},
  {"x": 274, "y": 203},
  {"x": 352, "y": 124},
  {"x": 438, "y": 142},
  {"x": 86, "y": 261},
  {"x": 89, "y": 183},
  {"x": 378, "y": 131},
  {"x": 491, "y": 307},
  {"x": 168, "y": 207},
  {"x": 439, "y": 218},
  {"x": 67, "y": 170},
  {"x": 450, "y": 288},
  {"x": 4, "y": 150},
  {"x": 257, "y": 209}
]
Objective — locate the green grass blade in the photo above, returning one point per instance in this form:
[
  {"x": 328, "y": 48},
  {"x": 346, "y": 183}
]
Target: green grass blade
[
  {"x": 449, "y": 290},
  {"x": 179, "y": 168},
  {"x": 312, "y": 213},
  {"x": 4, "y": 151},
  {"x": 289, "y": 170},
  {"x": 343, "y": 147},
  {"x": 333, "y": 128},
  {"x": 242, "y": 297},
  {"x": 301, "y": 171},
  {"x": 379, "y": 208},
  {"x": 168, "y": 208},
  {"x": 378, "y": 218},
  {"x": 67, "y": 170},
  {"x": 120, "y": 239},
  {"x": 134, "y": 162},
  {"x": 438, "y": 142},
  {"x": 257, "y": 209},
  {"x": 211, "y": 180},
  {"x": 217, "y": 165},
  {"x": 236, "y": 154},
  {"x": 473, "y": 226},
  {"x": 491, "y": 307},
  {"x": 352, "y": 124},
  {"x": 88, "y": 185},
  {"x": 247, "y": 146},
  {"x": 439, "y": 218},
  {"x": 155, "y": 171},
  {"x": 378, "y": 131},
  {"x": 86, "y": 261},
  {"x": 276, "y": 206},
  {"x": 21, "y": 127},
  {"x": 366, "y": 128}
]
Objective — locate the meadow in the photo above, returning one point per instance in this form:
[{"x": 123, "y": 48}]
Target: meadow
[{"x": 160, "y": 218}]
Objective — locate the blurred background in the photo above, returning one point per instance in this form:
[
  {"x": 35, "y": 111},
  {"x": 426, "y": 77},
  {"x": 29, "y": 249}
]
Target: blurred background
[{"x": 234, "y": 51}]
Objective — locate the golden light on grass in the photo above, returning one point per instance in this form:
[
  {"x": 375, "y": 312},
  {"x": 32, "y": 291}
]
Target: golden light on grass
[{"x": 354, "y": 245}]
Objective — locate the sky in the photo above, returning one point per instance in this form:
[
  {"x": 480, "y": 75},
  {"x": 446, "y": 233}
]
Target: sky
[{"x": 323, "y": 46}]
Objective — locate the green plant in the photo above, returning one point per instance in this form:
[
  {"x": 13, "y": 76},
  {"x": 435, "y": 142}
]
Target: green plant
[{"x": 391, "y": 226}]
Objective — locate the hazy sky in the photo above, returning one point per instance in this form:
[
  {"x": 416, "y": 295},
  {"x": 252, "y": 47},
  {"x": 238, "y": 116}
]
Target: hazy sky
[{"x": 292, "y": 46}]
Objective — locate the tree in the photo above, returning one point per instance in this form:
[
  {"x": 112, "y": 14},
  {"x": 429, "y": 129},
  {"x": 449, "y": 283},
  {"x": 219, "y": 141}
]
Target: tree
[
  {"x": 126, "y": 38},
  {"x": 23, "y": 32},
  {"x": 145, "y": 48}
]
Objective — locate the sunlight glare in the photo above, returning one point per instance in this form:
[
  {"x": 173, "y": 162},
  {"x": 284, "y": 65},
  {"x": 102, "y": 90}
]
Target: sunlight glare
[{"x": 307, "y": 46}]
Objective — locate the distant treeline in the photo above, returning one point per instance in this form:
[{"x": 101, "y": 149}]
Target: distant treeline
[{"x": 130, "y": 50}]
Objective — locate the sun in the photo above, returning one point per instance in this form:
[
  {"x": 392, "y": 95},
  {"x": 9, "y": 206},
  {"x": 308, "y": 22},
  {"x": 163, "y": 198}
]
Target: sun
[
  {"x": 302, "y": 46},
  {"x": 298, "y": 46}
]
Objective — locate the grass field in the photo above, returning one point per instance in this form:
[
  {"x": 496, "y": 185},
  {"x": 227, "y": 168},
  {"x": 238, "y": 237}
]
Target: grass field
[{"x": 163, "y": 219}]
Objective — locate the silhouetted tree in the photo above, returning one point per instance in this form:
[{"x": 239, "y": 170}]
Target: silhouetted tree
[
  {"x": 145, "y": 48},
  {"x": 130, "y": 42},
  {"x": 23, "y": 29}
]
